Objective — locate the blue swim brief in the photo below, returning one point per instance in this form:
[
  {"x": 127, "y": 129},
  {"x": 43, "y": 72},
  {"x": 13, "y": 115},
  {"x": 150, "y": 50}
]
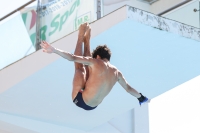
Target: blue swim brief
[{"x": 78, "y": 100}]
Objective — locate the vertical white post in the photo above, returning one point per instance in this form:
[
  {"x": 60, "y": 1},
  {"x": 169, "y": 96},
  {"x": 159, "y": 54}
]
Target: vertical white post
[{"x": 141, "y": 119}]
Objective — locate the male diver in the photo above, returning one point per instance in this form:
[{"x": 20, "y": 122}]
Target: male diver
[{"x": 94, "y": 75}]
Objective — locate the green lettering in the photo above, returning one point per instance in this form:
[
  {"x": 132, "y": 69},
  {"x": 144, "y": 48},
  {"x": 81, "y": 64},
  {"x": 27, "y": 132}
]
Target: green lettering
[
  {"x": 80, "y": 21},
  {"x": 54, "y": 24},
  {"x": 73, "y": 7},
  {"x": 63, "y": 19},
  {"x": 86, "y": 19},
  {"x": 43, "y": 32},
  {"x": 78, "y": 2}
]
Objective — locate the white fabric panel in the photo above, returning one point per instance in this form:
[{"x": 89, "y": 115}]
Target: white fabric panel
[
  {"x": 176, "y": 111},
  {"x": 15, "y": 42},
  {"x": 8, "y": 6},
  {"x": 141, "y": 119}
]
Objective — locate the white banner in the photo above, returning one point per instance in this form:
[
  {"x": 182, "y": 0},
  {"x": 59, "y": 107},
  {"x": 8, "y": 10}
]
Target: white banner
[{"x": 59, "y": 18}]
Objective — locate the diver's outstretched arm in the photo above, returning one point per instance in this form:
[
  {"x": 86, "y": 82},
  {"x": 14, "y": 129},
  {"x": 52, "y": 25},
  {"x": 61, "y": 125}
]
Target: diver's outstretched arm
[
  {"x": 126, "y": 86},
  {"x": 131, "y": 90},
  {"x": 47, "y": 48}
]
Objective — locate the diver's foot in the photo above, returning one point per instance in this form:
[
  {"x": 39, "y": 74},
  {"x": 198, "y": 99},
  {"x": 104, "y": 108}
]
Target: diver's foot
[
  {"x": 82, "y": 30},
  {"x": 87, "y": 34}
]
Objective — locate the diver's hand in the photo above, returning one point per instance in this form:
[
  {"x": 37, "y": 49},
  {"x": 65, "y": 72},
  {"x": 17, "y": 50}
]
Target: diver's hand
[{"x": 47, "y": 48}]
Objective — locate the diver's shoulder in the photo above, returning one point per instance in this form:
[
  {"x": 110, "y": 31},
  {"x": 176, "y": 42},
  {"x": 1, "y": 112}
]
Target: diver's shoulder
[{"x": 113, "y": 67}]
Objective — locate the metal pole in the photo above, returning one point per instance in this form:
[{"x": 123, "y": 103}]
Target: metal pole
[
  {"x": 98, "y": 9},
  {"x": 38, "y": 40}
]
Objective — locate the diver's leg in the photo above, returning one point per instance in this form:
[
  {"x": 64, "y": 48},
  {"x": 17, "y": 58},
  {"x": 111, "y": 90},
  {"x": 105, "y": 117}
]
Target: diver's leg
[
  {"x": 78, "y": 49},
  {"x": 79, "y": 75},
  {"x": 87, "y": 48}
]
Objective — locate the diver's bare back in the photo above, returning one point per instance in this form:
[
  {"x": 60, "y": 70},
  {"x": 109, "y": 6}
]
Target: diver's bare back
[{"x": 102, "y": 77}]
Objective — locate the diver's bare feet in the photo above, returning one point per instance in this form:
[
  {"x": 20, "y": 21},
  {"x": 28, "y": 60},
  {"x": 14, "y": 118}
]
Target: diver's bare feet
[
  {"x": 87, "y": 35},
  {"x": 82, "y": 30},
  {"x": 87, "y": 42}
]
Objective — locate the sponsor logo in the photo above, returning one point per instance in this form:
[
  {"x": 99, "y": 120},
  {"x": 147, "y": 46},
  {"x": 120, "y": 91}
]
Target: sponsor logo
[
  {"x": 82, "y": 19},
  {"x": 55, "y": 24},
  {"x": 76, "y": 101}
]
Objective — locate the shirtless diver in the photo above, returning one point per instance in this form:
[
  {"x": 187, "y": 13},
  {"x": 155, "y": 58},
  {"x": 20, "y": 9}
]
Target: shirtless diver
[{"x": 94, "y": 75}]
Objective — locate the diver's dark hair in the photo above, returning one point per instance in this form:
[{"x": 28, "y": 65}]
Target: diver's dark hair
[{"x": 103, "y": 51}]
